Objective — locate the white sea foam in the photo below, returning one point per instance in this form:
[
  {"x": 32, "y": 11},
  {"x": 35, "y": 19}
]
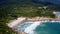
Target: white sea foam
[
  {"x": 30, "y": 29},
  {"x": 55, "y": 21}
]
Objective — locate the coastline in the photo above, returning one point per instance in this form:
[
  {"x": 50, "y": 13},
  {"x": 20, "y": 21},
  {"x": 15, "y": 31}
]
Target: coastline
[
  {"x": 43, "y": 19},
  {"x": 16, "y": 22},
  {"x": 20, "y": 20}
]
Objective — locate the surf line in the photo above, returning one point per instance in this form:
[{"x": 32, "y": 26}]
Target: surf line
[{"x": 30, "y": 29}]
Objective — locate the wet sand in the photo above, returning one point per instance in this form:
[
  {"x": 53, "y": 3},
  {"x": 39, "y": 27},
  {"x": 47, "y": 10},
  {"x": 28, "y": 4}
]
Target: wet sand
[{"x": 20, "y": 20}]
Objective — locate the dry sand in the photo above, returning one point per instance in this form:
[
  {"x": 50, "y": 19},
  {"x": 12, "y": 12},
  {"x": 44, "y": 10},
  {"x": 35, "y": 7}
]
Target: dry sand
[
  {"x": 19, "y": 20},
  {"x": 22, "y": 19},
  {"x": 16, "y": 22}
]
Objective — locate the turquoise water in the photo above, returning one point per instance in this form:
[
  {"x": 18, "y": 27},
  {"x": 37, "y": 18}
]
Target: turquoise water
[
  {"x": 48, "y": 28},
  {"x": 21, "y": 27},
  {"x": 41, "y": 28}
]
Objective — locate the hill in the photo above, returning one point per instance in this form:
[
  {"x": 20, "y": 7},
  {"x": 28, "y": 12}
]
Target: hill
[{"x": 11, "y": 8}]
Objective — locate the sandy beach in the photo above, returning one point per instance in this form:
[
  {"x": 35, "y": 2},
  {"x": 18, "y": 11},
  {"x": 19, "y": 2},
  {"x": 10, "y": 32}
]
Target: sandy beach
[
  {"x": 16, "y": 22},
  {"x": 20, "y": 20},
  {"x": 39, "y": 19}
]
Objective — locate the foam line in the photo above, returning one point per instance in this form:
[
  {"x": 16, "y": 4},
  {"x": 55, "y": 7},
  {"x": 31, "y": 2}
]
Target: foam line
[{"x": 30, "y": 29}]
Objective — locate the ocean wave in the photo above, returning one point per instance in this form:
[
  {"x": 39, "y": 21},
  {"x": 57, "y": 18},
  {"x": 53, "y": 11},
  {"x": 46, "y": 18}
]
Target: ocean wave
[{"x": 29, "y": 27}]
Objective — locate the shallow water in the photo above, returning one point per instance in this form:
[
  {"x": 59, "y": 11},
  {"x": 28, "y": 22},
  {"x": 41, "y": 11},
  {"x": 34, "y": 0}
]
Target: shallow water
[
  {"x": 48, "y": 28},
  {"x": 40, "y": 28},
  {"x": 22, "y": 26}
]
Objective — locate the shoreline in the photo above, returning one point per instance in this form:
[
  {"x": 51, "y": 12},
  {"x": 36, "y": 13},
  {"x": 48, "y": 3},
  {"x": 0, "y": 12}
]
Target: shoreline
[
  {"x": 43, "y": 19},
  {"x": 20, "y": 20},
  {"x": 16, "y": 22}
]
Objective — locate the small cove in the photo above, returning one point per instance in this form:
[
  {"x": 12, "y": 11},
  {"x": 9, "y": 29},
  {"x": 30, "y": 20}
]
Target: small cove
[{"x": 38, "y": 27}]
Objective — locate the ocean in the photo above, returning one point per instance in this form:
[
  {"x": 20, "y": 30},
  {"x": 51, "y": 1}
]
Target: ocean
[{"x": 38, "y": 27}]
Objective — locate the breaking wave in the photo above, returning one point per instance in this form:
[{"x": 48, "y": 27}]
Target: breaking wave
[{"x": 41, "y": 27}]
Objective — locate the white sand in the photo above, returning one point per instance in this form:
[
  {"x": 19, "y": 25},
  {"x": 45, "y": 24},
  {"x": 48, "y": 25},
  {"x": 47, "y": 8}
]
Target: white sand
[
  {"x": 16, "y": 22},
  {"x": 21, "y": 19}
]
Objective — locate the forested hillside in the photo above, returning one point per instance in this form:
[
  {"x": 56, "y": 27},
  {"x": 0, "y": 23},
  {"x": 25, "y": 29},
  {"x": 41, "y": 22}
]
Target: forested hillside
[{"x": 23, "y": 8}]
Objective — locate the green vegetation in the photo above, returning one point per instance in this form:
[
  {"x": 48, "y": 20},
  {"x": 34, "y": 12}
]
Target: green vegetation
[
  {"x": 7, "y": 12},
  {"x": 4, "y": 18},
  {"x": 4, "y": 29}
]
